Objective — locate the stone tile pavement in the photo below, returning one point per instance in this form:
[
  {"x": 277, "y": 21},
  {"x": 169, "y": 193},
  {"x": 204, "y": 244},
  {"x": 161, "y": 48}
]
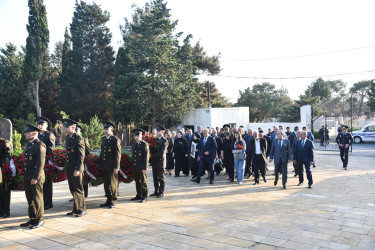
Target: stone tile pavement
[{"x": 337, "y": 213}]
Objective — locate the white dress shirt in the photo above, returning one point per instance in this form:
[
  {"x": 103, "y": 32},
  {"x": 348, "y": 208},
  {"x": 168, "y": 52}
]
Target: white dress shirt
[{"x": 257, "y": 147}]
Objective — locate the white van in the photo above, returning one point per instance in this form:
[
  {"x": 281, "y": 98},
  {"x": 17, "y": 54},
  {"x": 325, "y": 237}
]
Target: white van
[{"x": 367, "y": 133}]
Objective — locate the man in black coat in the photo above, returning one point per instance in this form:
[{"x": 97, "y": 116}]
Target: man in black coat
[
  {"x": 206, "y": 156},
  {"x": 5, "y": 150},
  {"x": 158, "y": 162},
  {"x": 49, "y": 140},
  {"x": 259, "y": 155}
]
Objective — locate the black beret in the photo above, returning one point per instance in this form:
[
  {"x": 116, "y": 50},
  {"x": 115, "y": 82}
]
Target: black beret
[
  {"x": 160, "y": 127},
  {"x": 345, "y": 126},
  {"x": 108, "y": 124}
]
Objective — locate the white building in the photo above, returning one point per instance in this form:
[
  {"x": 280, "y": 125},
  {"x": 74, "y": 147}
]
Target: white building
[{"x": 215, "y": 117}]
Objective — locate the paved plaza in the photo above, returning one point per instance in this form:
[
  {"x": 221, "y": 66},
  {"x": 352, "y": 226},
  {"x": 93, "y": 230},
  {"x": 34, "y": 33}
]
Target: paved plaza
[{"x": 337, "y": 213}]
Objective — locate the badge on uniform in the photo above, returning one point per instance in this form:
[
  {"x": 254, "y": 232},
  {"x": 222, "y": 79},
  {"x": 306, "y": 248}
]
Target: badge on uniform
[
  {"x": 72, "y": 150},
  {"x": 30, "y": 157},
  {"x": 109, "y": 150}
]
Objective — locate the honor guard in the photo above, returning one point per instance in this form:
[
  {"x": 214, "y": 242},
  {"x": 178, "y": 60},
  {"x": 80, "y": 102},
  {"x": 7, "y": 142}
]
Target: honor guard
[
  {"x": 5, "y": 150},
  {"x": 49, "y": 140},
  {"x": 87, "y": 152},
  {"x": 344, "y": 140},
  {"x": 34, "y": 156},
  {"x": 141, "y": 155},
  {"x": 75, "y": 149},
  {"x": 110, "y": 159},
  {"x": 158, "y": 163}
]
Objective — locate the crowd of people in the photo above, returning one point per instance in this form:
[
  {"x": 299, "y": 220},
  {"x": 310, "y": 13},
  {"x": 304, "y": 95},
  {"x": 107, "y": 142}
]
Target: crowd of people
[{"x": 209, "y": 151}]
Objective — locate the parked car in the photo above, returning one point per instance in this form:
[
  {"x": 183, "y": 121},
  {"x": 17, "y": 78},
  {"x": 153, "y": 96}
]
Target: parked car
[{"x": 366, "y": 134}]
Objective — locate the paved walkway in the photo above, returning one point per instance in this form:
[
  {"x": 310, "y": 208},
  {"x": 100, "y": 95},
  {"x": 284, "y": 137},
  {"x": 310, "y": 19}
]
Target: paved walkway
[{"x": 337, "y": 213}]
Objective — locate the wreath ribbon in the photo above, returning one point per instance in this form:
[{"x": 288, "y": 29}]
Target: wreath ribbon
[
  {"x": 12, "y": 167},
  {"x": 122, "y": 173},
  {"x": 88, "y": 173},
  {"x": 55, "y": 166}
]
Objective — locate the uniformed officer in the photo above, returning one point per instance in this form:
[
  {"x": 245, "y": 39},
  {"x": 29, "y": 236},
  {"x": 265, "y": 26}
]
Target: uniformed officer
[
  {"x": 110, "y": 159},
  {"x": 158, "y": 163},
  {"x": 34, "y": 156},
  {"x": 344, "y": 140},
  {"x": 49, "y": 140},
  {"x": 75, "y": 147},
  {"x": 141, "y": 155},
  {"x": 5, "y": 150},
  {"x": 87, "y": 152}
]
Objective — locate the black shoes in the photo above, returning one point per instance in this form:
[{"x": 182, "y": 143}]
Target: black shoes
[
  {"x": 154, "y": 194},
  {"x": 264, "y": 179},
  {"x": 309, "y": 185},
  {"x": 27, "y": 224},
  {"x": 72, "y": 213},
  {"x": 5, "y": 215},
  {"x": 38, "y": 224},
  {"x": 284, "y": 187},
  {"x": 81, "y": 213},
  {"x": 160, "y": 195},
  {"x": 104, "y": 205},
  {"x": 143, "y": 200},
  {"x": 299, "y": 184},
  {"x": 256, "y": 183},
  {"x": 135, "y": 198},
  {"x": 295, "y": 175},
  {"x": 111, "y": 205},
  {"x": 195, "y": 180},
  {"x": 275, "y": 182},
  {"x": 211, "y": 182},
  {"x": 48, "y": 207},
  {"x": 71, "y": 200}
]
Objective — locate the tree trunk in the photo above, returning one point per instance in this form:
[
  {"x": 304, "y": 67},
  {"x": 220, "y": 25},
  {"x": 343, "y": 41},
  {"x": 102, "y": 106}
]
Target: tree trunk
[{"x": 38, "y": 109}]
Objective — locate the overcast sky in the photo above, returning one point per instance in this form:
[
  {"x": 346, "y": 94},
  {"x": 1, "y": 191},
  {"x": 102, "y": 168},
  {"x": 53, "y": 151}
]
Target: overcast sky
[{"x": 269, "y": 39}]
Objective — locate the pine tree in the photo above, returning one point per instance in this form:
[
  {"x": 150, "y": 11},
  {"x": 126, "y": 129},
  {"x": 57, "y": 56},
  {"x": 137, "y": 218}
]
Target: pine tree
[
  {"x": 36, "y": 45},
  {"x": 371, "y": 96},
  {"x": 63, "y": 78},
  {"x": 90, "y": 71},
  {"x": 49, "y": 90},
  {"x": 13, "y": 97}
]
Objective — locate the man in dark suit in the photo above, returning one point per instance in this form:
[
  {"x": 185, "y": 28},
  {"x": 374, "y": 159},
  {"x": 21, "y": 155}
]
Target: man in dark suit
[
  {"x": 344, "y": 140},
  {"x": 75, "y": 149},
  {"x": 259, "y": 156},
  {"x": 49, "y": 140},
  {"x": 293, "y": 144},
  {"x": 281, "y": 152},
  {"x": 158, "y": 162},
  {"x": 35, "y": 157},
  {"x": 293, "y": 135},
  {"x": 110, "y": 159},
  {"x": 141, "y": 155},
  {"x": 303, "y": 155},
  {"x": 5, "y": 192},
  {"x": 206, "y": 156}
]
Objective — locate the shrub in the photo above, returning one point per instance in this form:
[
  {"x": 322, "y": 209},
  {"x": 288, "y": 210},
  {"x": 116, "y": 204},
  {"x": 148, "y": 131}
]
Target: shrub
[{"x": 93, "y": 132}]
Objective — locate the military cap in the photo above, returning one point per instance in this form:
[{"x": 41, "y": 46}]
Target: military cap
[
  {"x": 108, "y": 124},
  {"x": 197, "y": 135},
  {"x": 42, "y": 119},
  {"x": 296, "y": 128},
  {"x": 138, "y": 131},
  {"x": 260, "y": 131},
  {"x": 345, "y": 126},
  {"x": 160, "y": 127},
  {"x": 226, "y": 126},
  {"x": 31, "y": 128},
  {"x": 69, "y": 122},
  {"x": 241, "y": 126},
  {"x": 79, "y": 127}
]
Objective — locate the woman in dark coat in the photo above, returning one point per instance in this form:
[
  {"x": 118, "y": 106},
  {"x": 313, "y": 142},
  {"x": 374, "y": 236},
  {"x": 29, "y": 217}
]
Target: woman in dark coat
[
  {"x": 194, "y": 160},
  {"x": 227, "y": 156},
  {"x": 170, "y": 160},
  {"x": 180, "y": 152}
]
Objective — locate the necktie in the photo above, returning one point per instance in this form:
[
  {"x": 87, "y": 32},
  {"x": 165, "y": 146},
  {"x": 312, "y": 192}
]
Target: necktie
[
  {"x": 303, "y": 143},
  {"x": 204, "y": 141},
  {"x": 280, "y": 144}
]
